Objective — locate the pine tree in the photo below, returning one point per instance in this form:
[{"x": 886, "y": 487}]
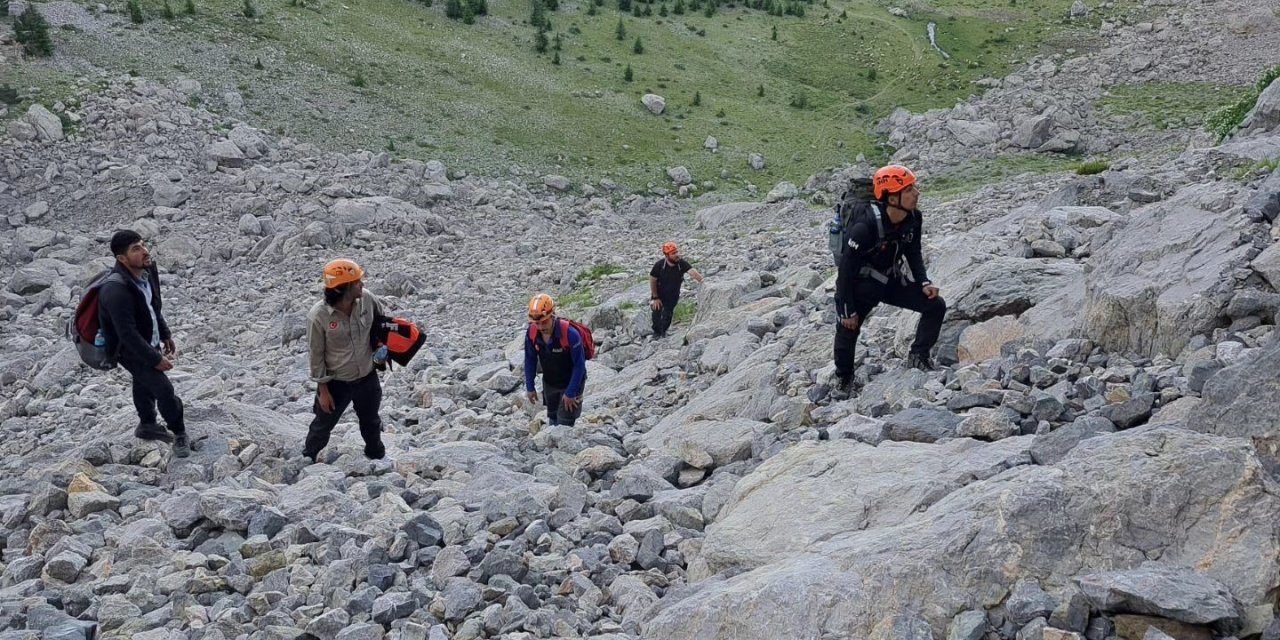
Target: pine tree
[
  {"x": 556, "y": 58},
  {"x": 249, "y": 10},
  {"x": 710, "y": 9},
  {"x": 135, "y": 12},
  {"x": 697, "y": 99},
  {"x": 453, "y": 9},
  {"x": 636, "y": 11},
  {"x": 552, "y": 5},
  {"x": 358, "y": 80},
  {"x": 558, "y": 43},
  {"x": 624, "y": 6},
  {"x": 871, "y": 74},
  {"x": 760, "y": 91},
  {"x": 621, "y": 31},
  {"x": 189, "y": 8},
  {"x": 662, "y": 9},
  {"x": 628, "y": 75},
  {"x": 479, "y": 7},
  {"x": 679, "y": 8},
  {"x": 167, "y": 11},
  {"x": 591, "y": 9},
  {"x": 638, "y": 47},
  {"x": 257, "y": 64},
  {"x": 775, "y": 33},
  {"x": 32, "y": 30},
  {"x": 540, "y": 42}
]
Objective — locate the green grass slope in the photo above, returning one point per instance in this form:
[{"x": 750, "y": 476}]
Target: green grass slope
[{"x": 399, "y": 75}]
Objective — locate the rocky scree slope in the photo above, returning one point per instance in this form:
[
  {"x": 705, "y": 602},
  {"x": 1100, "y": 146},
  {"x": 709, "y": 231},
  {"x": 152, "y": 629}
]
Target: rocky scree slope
[{"x": 1098, "y": 462}]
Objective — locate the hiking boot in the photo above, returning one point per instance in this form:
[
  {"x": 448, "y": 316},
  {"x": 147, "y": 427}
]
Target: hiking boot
[
  {"x": 181, "y": 447},
  {"x": 375, "y": 454},
  {"x": 921, "y": 362},
  {"x": 152, "y": 431}
]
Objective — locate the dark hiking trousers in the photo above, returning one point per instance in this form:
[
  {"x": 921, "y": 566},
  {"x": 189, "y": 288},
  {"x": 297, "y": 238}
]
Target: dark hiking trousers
[
  {"x": 366, "y": 395},
  {"x": 556, "y": 413},
  {"x": 151, "y": 389},
  {"x": 662, "y": 317},
  {"x": 895, "y": 294}
]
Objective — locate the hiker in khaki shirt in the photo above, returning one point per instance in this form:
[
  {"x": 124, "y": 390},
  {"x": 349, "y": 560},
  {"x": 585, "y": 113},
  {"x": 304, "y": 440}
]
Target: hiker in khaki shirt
[{"x": 342, "y": 363}]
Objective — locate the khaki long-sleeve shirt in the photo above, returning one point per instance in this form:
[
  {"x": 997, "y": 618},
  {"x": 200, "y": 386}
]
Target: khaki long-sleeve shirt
[{"x": 339, "y": 343}]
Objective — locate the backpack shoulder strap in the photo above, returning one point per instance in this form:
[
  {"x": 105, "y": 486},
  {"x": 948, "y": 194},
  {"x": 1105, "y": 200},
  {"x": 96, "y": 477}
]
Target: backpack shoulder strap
[
  {"x": 564, "y": 334},
  {"x": 879, "y": 216},
  {"x": 532, "y": 335}
]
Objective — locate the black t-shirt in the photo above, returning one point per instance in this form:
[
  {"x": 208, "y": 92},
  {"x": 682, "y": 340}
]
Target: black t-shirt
[{"x": 670, "y": 277}]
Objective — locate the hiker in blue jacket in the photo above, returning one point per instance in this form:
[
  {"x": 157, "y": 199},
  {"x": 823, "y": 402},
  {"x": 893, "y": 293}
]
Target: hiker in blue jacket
[{"x": 558, "y": 348}]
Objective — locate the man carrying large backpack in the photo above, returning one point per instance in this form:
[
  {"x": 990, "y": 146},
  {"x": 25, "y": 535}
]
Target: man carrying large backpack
[
  {"x": 884, "y": 233},
  {"x": 561, "y": 349},
  {"x": 342, "y": 359},
  {"x": 130, "y": 317}
]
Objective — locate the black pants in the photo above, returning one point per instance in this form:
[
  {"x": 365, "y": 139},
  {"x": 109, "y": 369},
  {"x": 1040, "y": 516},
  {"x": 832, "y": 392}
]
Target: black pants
[
  {"x": 662, "y": 317},
  {"x": 151, "y": 388},
  {"x": 556, "y": 413},
  {"x": 870, "y": 293},
  {"x": 366, "y": 395}
]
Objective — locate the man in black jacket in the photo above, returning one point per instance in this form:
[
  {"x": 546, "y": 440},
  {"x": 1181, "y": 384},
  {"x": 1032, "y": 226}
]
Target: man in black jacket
[
  {"x": 129, "y": 311},
  {"x": 884, "y": 235}
]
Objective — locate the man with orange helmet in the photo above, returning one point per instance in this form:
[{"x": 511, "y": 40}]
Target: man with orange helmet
[
  {"x": 342, "y": 363},
  {"x": 665, "y": 279},
  {"x": 558, "y": 347},
  {"x": 884, "y": 234}
]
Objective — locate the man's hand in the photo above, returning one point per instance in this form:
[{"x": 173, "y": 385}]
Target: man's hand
[
  {"x": 930, "y": 291},
  {"x": 570, "y": 404},
  {"x": 324, "y": 398},
  {"x": 164, "y": 365},
  {"x": 532, "y": 396},
  {"x": 655, "y": 304},
  {"x": 851, "y": 322},
  {"x": 170, "y": 347}
]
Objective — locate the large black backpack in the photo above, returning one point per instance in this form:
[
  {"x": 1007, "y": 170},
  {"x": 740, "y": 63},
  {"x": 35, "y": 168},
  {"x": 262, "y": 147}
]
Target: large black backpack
[{"x": 858, "y": 200}]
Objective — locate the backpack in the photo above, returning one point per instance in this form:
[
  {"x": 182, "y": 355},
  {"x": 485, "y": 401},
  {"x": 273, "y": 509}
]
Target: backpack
[
  {"x": 401, "y": 337},
  {"x": 85, "y": 330},
  {"x": 857, "y": 200},
  {"x": 588, "y": 342}
]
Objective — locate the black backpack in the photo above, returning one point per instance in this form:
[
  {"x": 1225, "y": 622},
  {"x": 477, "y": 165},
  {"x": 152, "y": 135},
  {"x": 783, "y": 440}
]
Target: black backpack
[{"x": 858, "y": 200}]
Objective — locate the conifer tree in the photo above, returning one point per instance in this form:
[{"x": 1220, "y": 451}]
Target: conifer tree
[
  {"x": 628, "y": 75},
  {"x": 638, "y": 47},
  {"x": 621, "y": 31},
  {"x": 32, "y": 30}
]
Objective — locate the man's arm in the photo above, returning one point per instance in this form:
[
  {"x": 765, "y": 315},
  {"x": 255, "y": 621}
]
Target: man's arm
[
  {"x": 653, "y": 287},
  {"x": 860, "y": 240},
  {"x": 915, "y": 258},
  {"x": 530, "y": 363},
  {"x": 579, "y": 354},
  {"x": 153, "y": 275},
  {"x": 116, "y": 302},
  {"x": 693, "y": 273},
  {"x": 316, "y": 345}
]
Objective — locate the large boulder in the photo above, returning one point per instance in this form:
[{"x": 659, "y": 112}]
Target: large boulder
[
  {"x": 1164, "y": 590},
  {"x": 1239, "y": 402},
  {"x": 1266, "y": 111},
  {"x": 1165, "y": 276},
  {"x": 982, "y": 287},
  {"x": 713, "y": 442},
  {"x": 47, "y": 125},
  {"x": 764, "y": 522},
  {"x": 1193, "y": 499},
  {"x": 1033, "y": 132},
  {"x": 655, "y": 103},
  {"x": 712, "y": 218},
  {"x": 386, "y": 212},
  {"x": 974, "y": 133}
]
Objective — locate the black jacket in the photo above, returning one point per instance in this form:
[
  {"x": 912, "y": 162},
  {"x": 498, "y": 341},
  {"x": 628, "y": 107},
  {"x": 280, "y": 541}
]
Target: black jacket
[
  {"x": 123, "y": 315},
  {"x": 868, "y": 249}
]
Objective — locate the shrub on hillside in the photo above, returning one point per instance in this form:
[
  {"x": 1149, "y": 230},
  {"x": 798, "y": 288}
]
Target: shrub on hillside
[
  {"x": 135, "y": 12},
  {"x": 1092, "y": 167},
  {"x": 33, "y": 32},
  {"x": 1224, "y": 121},
  {"x": 249, "y": 10}
]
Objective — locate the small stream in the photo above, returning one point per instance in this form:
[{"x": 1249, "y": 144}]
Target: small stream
[{"x": 933, "y": 40}]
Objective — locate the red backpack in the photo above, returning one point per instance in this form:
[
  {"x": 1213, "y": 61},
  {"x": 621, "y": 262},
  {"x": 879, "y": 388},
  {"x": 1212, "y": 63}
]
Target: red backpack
[
  {"x": 84, "y": 330},
  {"x": 588, "y": 343}
]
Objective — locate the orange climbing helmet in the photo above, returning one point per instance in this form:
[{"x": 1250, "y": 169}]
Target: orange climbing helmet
[
  {"x": 670, "y": 248},
  {"x": 341, "y": 271},
  {"x": 541, "y": 306},
  {"x": 892, "y": 179}
]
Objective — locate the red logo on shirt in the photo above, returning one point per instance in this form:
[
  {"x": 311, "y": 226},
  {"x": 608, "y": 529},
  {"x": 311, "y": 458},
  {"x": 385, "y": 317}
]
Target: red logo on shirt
[{"x": 333, "y": 325}]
